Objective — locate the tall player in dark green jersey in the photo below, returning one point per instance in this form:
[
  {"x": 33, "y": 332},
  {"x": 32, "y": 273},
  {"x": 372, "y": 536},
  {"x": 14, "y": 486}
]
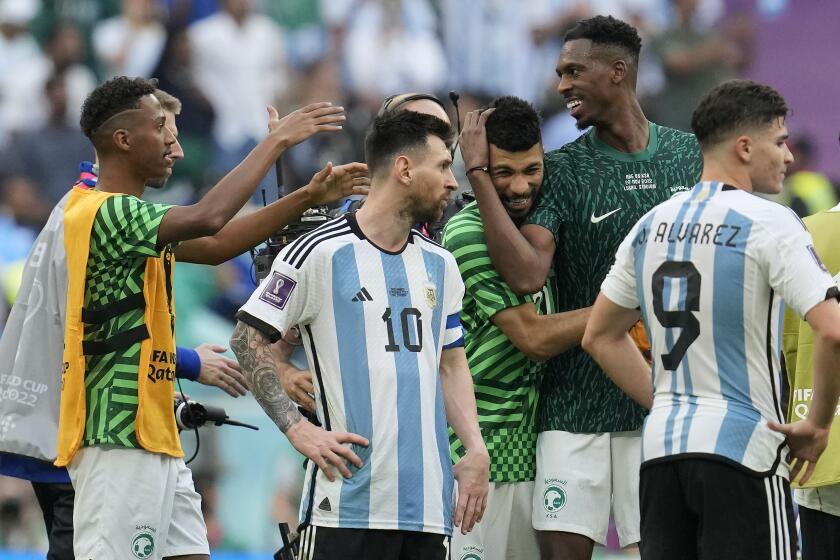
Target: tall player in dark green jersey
[
  {"x": 595, "y": 190},
  {"x": 508, "y": 336}
]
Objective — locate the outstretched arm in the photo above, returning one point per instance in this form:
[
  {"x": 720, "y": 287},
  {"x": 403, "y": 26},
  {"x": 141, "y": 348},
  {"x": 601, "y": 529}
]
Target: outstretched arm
[
  {"x": 523, "y": 258},
  {"x": 606, "y": 339},
  {"x": 219, "y": 371},
  {"x": 244, "y": 232},
  {"x": 541, "y": 336},
  {"x": 254, "y": 351},
  {"x": 217, "y": 207}
]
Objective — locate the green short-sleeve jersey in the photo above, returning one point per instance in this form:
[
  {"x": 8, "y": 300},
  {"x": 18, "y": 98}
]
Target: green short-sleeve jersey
[
  {"x": 124, "y": 234},
  {"x": 592, "y": 196},
  {"x": 506, "y": 381}
]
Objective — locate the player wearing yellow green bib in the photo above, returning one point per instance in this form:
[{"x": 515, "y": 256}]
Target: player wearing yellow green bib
[
  {"x": 508, "y": 336},
  {"x": 819, "y": 499},
  {"x": 595, "y": 189}
]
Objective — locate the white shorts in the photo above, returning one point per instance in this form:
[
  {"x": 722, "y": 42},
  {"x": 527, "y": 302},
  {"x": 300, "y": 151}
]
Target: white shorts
[
  {"x": 134, "y": 504},
  {"x": 581, "y": 478},
  {"x": 505, "y": 531}
]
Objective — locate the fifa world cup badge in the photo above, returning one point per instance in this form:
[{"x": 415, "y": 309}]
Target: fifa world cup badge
[{"x": 430, "y": 291}]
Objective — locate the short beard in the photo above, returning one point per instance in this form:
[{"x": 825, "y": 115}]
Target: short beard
[{"x": 414, "y": 210}]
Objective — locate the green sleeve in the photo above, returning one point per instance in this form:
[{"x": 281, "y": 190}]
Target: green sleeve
[
  {"x": 127, "y": 227},
  {"x": 464, "y": 238}
]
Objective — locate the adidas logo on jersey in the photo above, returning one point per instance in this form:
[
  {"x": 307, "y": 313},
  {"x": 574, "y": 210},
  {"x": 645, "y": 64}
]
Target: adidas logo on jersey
[{"x": 363, "y": 295}]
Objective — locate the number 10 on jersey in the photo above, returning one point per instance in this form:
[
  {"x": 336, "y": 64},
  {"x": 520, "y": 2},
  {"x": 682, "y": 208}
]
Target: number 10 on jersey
[{"x": 408, "y": 316}]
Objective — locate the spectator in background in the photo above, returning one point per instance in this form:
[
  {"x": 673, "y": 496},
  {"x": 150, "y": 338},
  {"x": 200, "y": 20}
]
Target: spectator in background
[
  {"x": 240, "y": 68},
  {"x": 64, "y": 52},
  {"x": 183, "y": 12},
  {"x": 18, "y": 50},
  {"x": 175, "y": 73},
  {"x": 84, "y": 14},
  {"x": 304, "y": 32},
  {"x": 489, "y": 50},
  {"x": 694, "y": 61},
  {"x": 806, "y": 191},
  {"x": 392, "y": 45},
  {"x": 50, "y": 155},
  {"x": 22, "y": 213},
  {"x": 130, "y": 44}
]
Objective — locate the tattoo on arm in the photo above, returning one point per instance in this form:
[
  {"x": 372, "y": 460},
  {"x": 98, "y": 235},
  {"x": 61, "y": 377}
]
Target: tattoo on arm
[{"x": 259, "y": 366}]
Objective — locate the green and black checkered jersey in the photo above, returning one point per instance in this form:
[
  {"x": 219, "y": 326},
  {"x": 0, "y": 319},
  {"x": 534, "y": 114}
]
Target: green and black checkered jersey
[
  {"x": 592, "y": 196},
  {"x": 505, "y": 380},
  {"x": 124, "y": 234}
]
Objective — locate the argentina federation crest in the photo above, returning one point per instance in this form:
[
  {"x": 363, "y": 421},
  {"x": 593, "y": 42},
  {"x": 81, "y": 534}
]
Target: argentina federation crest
[{"x": 430, "y": 293}]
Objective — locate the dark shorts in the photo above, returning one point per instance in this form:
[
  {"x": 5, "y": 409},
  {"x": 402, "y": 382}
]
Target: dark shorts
[
  {"x": 56, "y": 501},
  {"x": 710, "y": 510},
  {"x": 329, "y": 543},
  {"x": 820, "y": 534}
]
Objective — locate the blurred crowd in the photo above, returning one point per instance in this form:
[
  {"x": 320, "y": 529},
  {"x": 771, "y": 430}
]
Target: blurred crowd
[{"x": 227, "y": 59}]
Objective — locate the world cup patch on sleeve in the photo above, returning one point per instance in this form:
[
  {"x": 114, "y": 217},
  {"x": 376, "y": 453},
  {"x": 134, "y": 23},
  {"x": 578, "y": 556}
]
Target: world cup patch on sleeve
[
  {"x": 277, "y": 290},
  {"x": 817, "y": 258}
]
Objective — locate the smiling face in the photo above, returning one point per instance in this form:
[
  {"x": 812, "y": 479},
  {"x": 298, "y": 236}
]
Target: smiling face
[
  {"x": 586, "y": 83},
  {"x": 517, "y": 177},
  {"x": 769, "y": 157}
]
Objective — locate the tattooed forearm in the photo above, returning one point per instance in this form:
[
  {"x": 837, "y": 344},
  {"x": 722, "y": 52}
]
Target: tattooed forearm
[{"x": 259, "y": 366}]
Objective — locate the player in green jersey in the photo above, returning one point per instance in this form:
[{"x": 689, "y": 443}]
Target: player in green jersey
[
  {"x": 128, "y": 126},
  {"x": 595, "y": 189},
  {"x": 508, "y": 336}
]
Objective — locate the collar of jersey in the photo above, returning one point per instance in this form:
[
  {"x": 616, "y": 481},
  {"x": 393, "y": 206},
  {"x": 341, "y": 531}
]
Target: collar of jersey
[
  {"x": 354, "y": 227},
  {"x": 644, "y": 155}
]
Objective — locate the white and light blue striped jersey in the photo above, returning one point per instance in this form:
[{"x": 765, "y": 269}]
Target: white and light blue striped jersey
[
  {"x": 709, "y": 270},
  {"x": 374, "y": 325}
]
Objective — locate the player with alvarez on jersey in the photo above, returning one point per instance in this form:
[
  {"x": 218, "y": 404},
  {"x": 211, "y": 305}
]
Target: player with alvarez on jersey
[
  {"x": 711, "y": 271},
  {"x": 508, "y": 336},
  {"x": 595, "y": 189},
  {"x": 378, "y": 304}
]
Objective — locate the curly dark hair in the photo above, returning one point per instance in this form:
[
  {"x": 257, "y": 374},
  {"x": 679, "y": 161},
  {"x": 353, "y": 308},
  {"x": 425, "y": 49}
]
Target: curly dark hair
[
  {"x": 114, "y": 96},
  {"x": 399, "y": 131},
  {"x": 734, "y": 106},
  {"x": 607, "y": 30},
  {"x": 514, "y": 126}
]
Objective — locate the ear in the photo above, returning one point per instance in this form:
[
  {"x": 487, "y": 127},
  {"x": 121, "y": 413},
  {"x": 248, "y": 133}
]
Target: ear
[
  {"x": 619, "y": 71},
  {"x": 743, "y": 149},
  {"x": 122, "y": 139},
  {"x": 403, "y": 170}
]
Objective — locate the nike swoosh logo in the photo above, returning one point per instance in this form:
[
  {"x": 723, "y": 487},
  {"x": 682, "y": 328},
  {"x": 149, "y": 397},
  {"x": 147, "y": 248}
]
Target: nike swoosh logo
[{"x": 595, "y": 219}]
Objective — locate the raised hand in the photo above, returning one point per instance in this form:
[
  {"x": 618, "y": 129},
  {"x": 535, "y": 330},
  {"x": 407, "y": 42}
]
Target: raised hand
[
  {"x": 333, "y": 183},
  {"x": 325, "y": 448},
  {"x": 219, "y": 371},
  {"x": 473, "y": 139},
  {"x": 806, "y": 442},
  {"x": 305, "y": 122}
]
